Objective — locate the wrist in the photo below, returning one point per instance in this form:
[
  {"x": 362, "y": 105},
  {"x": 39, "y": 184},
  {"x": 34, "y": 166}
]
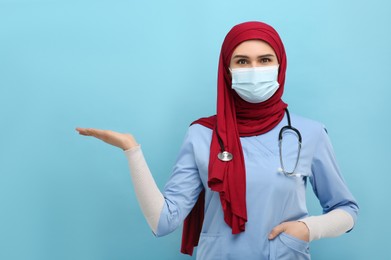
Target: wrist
[
  {"x": 307, "y": 231},
  {"x": 129, "y": 143}
]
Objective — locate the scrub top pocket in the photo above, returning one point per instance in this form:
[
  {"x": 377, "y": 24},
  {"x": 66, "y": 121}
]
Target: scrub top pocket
[
  {"x": 209, "y": 247},
  {"x": 286, "y": 247}
]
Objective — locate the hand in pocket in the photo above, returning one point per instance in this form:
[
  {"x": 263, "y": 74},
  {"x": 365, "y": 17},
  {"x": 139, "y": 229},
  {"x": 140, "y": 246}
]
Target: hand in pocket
[{"x": 296, "y": 229}]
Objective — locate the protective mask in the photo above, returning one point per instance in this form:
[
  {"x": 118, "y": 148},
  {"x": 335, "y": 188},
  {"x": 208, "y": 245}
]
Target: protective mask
[{"x": 256, "y": 84}]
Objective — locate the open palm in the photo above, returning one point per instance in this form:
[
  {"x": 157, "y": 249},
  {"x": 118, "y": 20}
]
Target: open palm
[{"x": 123, "y": 141}]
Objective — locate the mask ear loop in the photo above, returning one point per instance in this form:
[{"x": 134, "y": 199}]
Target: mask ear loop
[{"x": 223, "y": 155}]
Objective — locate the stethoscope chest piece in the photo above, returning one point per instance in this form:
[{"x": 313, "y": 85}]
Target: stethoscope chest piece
[{"x": 225, "y": 156}]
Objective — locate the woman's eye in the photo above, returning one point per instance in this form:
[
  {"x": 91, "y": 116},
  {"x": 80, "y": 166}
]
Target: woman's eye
[
  {"x": 265, "y": 60},
  {"x": 242, "y": 61}
]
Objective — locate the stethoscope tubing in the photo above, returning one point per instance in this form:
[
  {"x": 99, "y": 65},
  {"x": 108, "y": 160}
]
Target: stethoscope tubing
[
  {"x": 226, "y": 156},
  {"x": 289, "y": 127}
]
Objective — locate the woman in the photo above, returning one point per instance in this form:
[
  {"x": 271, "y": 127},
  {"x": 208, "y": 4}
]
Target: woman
[{"x": 243, "y": 195}]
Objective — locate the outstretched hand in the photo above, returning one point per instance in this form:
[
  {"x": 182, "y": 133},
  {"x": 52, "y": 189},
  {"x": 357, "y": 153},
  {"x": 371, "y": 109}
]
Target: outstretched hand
[{"x": 120, "y": 140}]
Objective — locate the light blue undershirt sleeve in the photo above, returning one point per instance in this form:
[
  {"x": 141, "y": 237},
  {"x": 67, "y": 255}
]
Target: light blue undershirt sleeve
[
  {"x": 182, "y": 189},
  {"x": 327, "y": 182}
]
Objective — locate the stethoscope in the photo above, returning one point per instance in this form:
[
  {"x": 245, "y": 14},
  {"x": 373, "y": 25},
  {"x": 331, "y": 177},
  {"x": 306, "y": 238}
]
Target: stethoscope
[{"x": 226, "y": 156}]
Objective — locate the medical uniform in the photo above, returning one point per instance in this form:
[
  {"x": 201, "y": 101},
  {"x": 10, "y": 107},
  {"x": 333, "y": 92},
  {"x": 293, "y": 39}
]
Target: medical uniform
[{"x": 271, "y": 196}]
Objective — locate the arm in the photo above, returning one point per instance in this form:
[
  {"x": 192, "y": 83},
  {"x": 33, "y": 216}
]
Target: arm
[
  {"x": 148, "y": 194},
  {"x": 332, "y": 224},
  {"x": 327, "y": 182},
  {"x": 339, "y": 207},
  {"x": 164, "y": 213},
  {"x": 183, "y": 187}
]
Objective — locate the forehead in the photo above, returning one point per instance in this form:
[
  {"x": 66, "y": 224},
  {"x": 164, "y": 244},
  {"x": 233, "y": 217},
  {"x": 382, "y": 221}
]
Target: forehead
[{"x": 253, "y": 47}]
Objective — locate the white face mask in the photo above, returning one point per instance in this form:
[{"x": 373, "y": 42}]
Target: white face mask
[{"x": 257, "y": 84}]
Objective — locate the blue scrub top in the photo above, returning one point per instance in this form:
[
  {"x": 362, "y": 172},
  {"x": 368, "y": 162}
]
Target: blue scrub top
[{"x": 271, "y": 196}]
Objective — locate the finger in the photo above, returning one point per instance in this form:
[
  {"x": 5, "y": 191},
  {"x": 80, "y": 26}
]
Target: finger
[
  {"x": 276, "y": 231},
  {"x": 82, "y": 131},
  {"x": 103, "y": 135},
  {"x": 90, "y": 132}
]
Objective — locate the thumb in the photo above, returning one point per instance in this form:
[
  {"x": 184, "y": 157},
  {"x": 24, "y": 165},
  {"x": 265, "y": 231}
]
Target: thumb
[{"x": 276, "y": 231}]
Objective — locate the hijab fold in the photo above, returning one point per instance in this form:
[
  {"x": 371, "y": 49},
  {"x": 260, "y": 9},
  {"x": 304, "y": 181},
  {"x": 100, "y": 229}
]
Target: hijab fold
[{"x": 235, "y": 118}]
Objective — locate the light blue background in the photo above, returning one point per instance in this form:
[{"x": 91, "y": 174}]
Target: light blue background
[{"x": 149, "y": 68}]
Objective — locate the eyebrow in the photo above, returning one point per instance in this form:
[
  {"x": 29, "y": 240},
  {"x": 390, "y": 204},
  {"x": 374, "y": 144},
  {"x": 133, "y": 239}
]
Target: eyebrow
[{"x": 239, "y": 56}]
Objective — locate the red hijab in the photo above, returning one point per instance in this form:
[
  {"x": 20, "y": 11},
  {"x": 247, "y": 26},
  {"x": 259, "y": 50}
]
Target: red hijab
[{"x": 235, "y": 118}]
